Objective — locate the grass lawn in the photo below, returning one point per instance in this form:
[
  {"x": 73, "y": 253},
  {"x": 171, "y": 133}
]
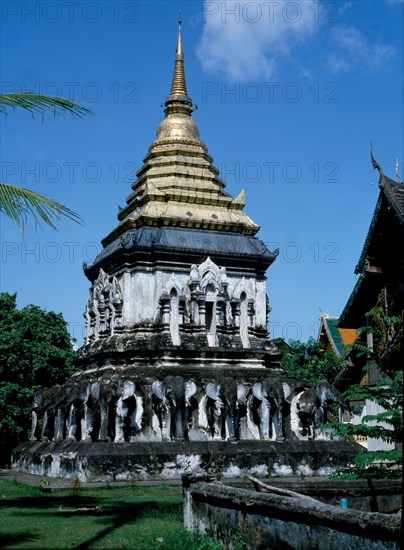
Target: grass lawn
[{"x": 131, "y": 517}]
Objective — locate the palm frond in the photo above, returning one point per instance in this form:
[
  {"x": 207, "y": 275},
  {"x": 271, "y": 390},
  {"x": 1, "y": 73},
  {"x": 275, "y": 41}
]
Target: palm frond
[
  {"x": 17, "y": 202},
  {"x": 39, "y": 103}
]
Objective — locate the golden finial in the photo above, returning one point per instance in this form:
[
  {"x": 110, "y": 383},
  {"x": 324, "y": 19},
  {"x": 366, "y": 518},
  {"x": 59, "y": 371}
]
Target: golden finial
[{"x": 179, "y": 86}]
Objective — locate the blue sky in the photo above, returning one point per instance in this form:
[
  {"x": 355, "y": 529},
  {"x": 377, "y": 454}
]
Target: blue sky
[{"x": 289, "y": 96}]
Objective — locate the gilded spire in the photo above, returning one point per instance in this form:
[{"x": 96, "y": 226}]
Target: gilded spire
[
  {"x": 178, "y": 185},
  {"x": 178, "y": 97},
  {"x": 178, "y": 86}
]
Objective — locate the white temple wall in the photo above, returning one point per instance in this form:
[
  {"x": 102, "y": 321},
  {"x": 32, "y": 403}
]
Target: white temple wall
[
  {"x": 127, "y": 310},
  {"x": 261, "y": 304},
  {"x": 159, "y": 282},
  {"x": 142, "y": 292},
  {"x": 142, "y": 297}
]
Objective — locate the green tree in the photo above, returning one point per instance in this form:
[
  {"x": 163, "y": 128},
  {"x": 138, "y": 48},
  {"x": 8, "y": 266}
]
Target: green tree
[
  {"x": 386, "y": 354},
  {"x": 17, "y": 202},
  {"x": 307, "y": 361},
  {"x": 35, "y": 351}
]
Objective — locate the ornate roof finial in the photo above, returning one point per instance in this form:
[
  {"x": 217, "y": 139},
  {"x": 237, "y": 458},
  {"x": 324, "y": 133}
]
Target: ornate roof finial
[
  {"x": 178, "y": 86},
  {"x": 376, "y": 166},
  {"x": 397, "y": 174}
]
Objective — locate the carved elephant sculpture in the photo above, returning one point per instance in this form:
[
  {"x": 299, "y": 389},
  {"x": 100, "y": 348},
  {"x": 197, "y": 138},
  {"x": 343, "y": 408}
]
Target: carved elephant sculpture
[
  {"x": 226, "y": 395},
  {"x": 72, "y": 412},
  {"x": 326, "y": 394},
  {"x": 308, "y": 409},
  {"x": 36, "y": 410},
  {"x": 173, "y": 394},
  {"x": 127, "y": 412},
  {"x": 120, "y": 415},
  {"x": 86, "y": 398},
  {"x": 110, "y": 392},
  {"x": 61, "y": 408},
  {"x": 270, "y": 395},
  {"x": 87, "y": 410},
  {"x": 45, "y": 404}
]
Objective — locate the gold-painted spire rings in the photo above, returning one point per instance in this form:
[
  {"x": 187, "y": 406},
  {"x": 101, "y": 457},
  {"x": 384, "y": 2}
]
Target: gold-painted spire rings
[{"x": 178, "y": 86}]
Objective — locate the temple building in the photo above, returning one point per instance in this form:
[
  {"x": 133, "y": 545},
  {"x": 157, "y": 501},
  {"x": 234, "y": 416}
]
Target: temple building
[
  {"x": 177, "y": 370},
  {"x": 380, "y": 268},
  {"x": 184, "y": 266},
  {"x": 332, "y": 338},
  {"x": 380, "y": 284},
  {"x": 179, "y": 288}
]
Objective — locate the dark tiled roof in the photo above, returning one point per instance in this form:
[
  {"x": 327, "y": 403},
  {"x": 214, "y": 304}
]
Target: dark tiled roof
[
  {"x": 394, "y": 193},
  {"x": 360, "y": 264},
  {"x": 389, "y": 207},
  {"x": 190, "y": 243},
  {"x": 391, "y": 197},
  {"x": 364, "y": 294}
]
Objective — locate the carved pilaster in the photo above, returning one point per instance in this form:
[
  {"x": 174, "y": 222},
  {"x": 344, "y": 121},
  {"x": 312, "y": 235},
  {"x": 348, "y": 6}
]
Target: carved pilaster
[
  {"x": 235, "y": 305},
  {"x": 220, "y": 316},
  {"x": 165, "y": 309},
  {"x": 181, "y": 310},
  {"x": 201, "y": 301},
  {"x": 251, "y": 313}
]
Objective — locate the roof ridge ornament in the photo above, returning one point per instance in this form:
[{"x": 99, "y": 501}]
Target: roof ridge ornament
[
  {"x": 383, "y": 179},
  {"x": 376, "y": 166},
  {"x": 399, "y": 180}
]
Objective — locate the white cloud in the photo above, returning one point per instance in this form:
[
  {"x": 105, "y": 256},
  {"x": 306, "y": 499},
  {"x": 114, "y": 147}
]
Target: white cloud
[
  {"x": 352, "y": 50},
  {"x": 344, "y": 7},
  {"x": 245, "y": 39}
]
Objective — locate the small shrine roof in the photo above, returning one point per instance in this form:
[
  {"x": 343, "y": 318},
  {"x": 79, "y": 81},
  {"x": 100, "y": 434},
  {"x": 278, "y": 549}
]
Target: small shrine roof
[{"x": 338, "y": 337}]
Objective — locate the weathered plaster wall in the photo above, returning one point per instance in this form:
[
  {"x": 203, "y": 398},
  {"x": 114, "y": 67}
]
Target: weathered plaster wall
[
  {"x": 170, "y": 460},
  {"x": 271, "y": 521}
]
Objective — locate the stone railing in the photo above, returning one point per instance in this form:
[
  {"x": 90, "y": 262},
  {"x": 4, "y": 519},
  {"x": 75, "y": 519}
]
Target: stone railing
[{"x": 265, "y": 520}]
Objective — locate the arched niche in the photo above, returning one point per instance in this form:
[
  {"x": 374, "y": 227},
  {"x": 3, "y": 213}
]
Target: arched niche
[{"x": 172, "y": 306}]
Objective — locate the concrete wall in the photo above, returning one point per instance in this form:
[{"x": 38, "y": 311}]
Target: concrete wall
[{"x": 264, "y": 521}]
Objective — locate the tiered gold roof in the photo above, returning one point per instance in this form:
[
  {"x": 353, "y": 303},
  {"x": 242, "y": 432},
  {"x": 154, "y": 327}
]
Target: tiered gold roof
[{"x": 178, "y": 184}]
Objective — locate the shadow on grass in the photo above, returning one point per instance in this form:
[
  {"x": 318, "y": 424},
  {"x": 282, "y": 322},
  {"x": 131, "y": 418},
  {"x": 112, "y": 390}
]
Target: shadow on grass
[
  {"x": 111, "y": 515},
  {"x": 8, "y": 540}
]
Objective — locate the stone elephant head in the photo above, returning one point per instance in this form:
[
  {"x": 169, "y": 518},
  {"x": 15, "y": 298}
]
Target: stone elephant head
[
  {"x": 270, "y": 395},
  {"x": 84, "y": 410},
  {"x": 226, "y": 395},
  {"x": 116, "y": 401},
  {"x": 173, "y": 394},
  {"x": 38, "y": 409},
  {"x": 126, "y": 422},
  {"x": 309, "y": 406},
  {"x": 46, "y": 404},
  {"x": 61, "y": 408},
  {"x": 326, "y": 394},
  {"x": 74, "y": 400}
]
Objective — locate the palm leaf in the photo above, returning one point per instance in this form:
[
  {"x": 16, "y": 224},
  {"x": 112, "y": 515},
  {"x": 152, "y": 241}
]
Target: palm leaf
[
  {"x": 17, "y": 202},
  {"x": 38, "y": 104}
]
